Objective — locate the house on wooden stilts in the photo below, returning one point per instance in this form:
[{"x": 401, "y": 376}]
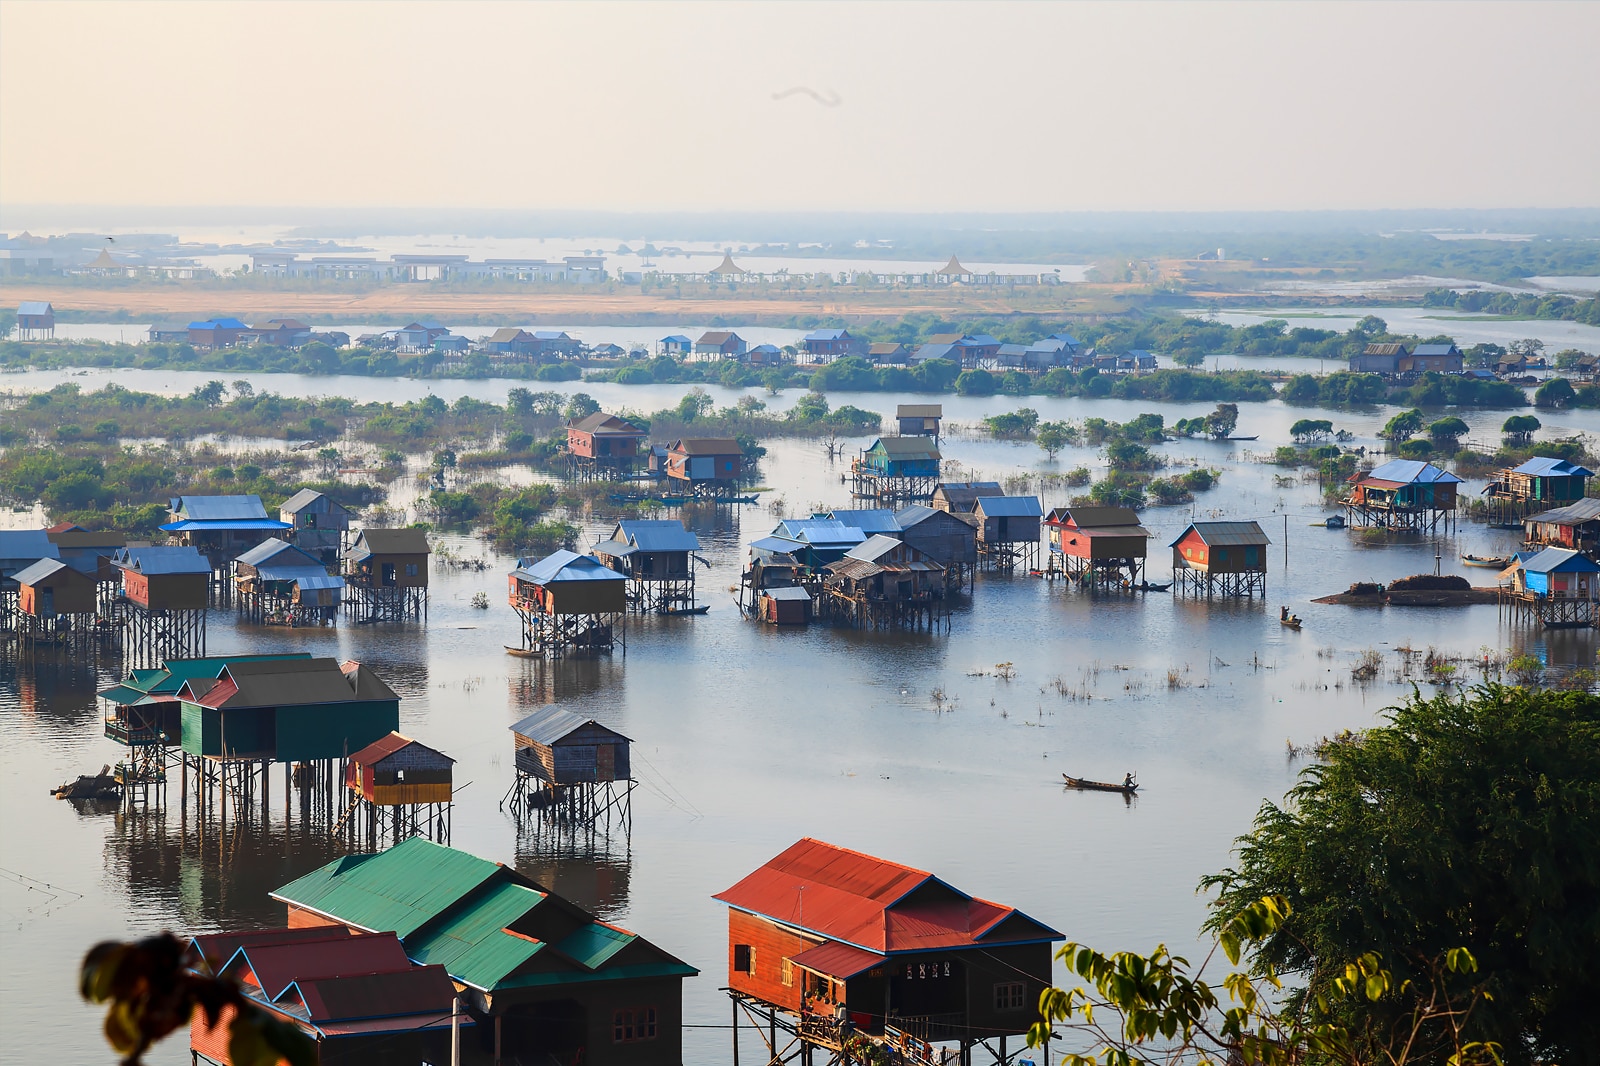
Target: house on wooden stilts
[
  {"x": 386, "y": 575},
  {"x": 1097, "y": 547},
  {"x": 398, "y": 788},
  {"x": 568, "y": 604},
  {"x": 1403, "y": 495},
  {"x": 574, "y": 778},
  {"x": 884, "y": 583},
  {"x": 604, "y": 446},
  {"x": 657, "y": 555},
  {"x": 961, "y": 497},
  {"x": 706, "y": 468},
  {"x": 279, "y": 584},
  {"x": 949, "y": 540},
  {"x": 221, "y": 528},
  {"x": 1555, "y": 588},
  {"x": 896, "y": 470},
  {"x": 58, "y": 605},
  {"x": 162, "y": 603},
  {"x": 319, "y": 525},
  {"x": 1575, "y": 526},
  {"x": 919, "y": 419},
  {"x": 1540, "y": 484},
  {"x": 828, "y": 947},
  {"x": 19, "y": 549},
  {"x": 1008, "y": 531},
  {"x": 1221, "y": 559}
]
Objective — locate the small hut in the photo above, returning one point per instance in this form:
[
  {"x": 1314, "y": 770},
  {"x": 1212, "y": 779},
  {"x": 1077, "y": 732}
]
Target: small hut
[
  {"x": 280, "y": 584},
  {"x": 50, "y": 588},
  {"x": 221, "y": 527},
  {"x": 785, "y": 606},
  {"x": 402, "y": 787},
  {"x": 1008, "y": 531},
  {"x": 919, "y": 419},
  {"x": 568, "y": 603},
  {"x": 885, "y": 583},
  {"x": 1102, "y": 546},
  {"x": 1223, "y": 558},
  {"x": 818, "y": 541},
  {"x": 1406, "y": 495},
  {"x": 1539, "y": 484},
  {"x": 1556, "y": 587},
  {"x": 657, "y": 557},
  {"x": 705, "y": 466},
  {"x": 318, "y": 524},
  {"x": 163, "y": 600},
  {"x": 1575, "y": 526},
  {"x": 36, "y": 320},
  {"x": 961, "y": 497},
  {"x": 386, "y": 571},
  {"x": 571, "y": 764},
  {"x": 86, "y": 551},
  {"x": 896, "y": 470}
]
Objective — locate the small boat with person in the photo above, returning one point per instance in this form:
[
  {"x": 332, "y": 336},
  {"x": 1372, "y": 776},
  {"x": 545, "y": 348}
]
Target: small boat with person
[
  {"x": 1292, "y": 621},
  {"x": 1497, "y": 562},
  {"x": 1128, "y": 787}
]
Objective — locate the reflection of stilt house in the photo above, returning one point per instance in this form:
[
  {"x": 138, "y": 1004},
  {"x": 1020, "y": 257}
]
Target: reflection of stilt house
[
  {"x": 1540, "y": 484},
  {"x": 572, "y": 774},
  {"x": 943, "y": 537},
  {"x": 545, "y": 980},
  {"x": 58, "y": 605},
  {"x": 1098, "y": 547},
  {"x": 399, "y": 788},
  {"x": 657, "y": 556},
  {"x": 1554, "y": 587},
  {"x": 1222, "y": 559},
  {"x": 386, "y": 575},
  {"x": 1575, "y": 526},
  {"x": 704, "y": 467},
  {"x": 884, "y": 583},
  {"x": 319, "y": 524},
  {"x": 568, "y": 604},
  {"x": 222, "y": 528},
  {"x": 919, "y": 419},
  {"x": 828, "y": 946},
  {"x": 604, "y": 446},
  {"x": 1008, "y": 531},
  {"x": 163, "y": 603},
  {"x": 896, "y": 470},
  {"x": 278, "y": 584},
  {"x": 1404, "y": 495}
]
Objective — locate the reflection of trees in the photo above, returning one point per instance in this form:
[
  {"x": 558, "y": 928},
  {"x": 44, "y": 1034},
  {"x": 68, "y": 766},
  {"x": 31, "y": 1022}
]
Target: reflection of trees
[{"x": 595, "y": 881}]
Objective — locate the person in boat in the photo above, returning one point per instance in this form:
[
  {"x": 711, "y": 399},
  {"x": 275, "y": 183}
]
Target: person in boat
[
  {"x": 1127, "y": 781},
  {"x": 1283, "y": 613}
]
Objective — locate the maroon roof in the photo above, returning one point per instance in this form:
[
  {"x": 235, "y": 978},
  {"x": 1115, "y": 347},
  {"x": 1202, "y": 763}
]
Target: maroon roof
[
  {"x": 276, "y": 966},
  {"x": 213, "y": 950},
  {"x": 873, "y": 904},
  {"x": 418, "y": 990}
]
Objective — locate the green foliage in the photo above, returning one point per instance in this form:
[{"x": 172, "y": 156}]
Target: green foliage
[
  {"x": 1468, "y": 820},
  {"x": 1516, "y": 305},
  {"x": 1414, "y": 449},
  {"x": 976, "y": 383},
  {"x": 1015, "y": 425},
  {"x": 1519, "y": 429},
  {"x": 1307, "y": 430},
  {"x": 1403, "y": 425},
  {"x": 1130, "y": 455},
  {"x": 1223, "y": 421},
  {"x": 1446, "y": 431},
  {"x": 1557, "y": 392},
  {"x": 1053, "y": 436}
]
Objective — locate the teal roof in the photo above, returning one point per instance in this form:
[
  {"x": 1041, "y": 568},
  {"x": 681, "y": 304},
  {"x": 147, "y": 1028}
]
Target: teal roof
[
  {"x": 171, "y": 676},
  {"x": 470, "y": 941},
  {"x": 401, "y": 889},
  {"x": 593, "y": 944}
]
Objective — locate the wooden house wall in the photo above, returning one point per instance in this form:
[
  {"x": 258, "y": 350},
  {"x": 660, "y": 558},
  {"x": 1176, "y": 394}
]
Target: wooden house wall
[
  {"x": 371, "y": 569},
  {"x": 1222, "y": 559},
  {"x": 660, "y": 565},
  {"x": 587, "y": 597},
  {"x": 1070, "y": 542},
  {"x": 410, "y": 792},
  {"x": 771, "y": 944},
  {"x": 602, "y": 445},
  {"x": 70, "y": 593},
  {"x": 724, "y": 467},
  {"x": 331, "y": 730},
  {"x": 1009, "y": 529},
  {"x": 945, "y": 539},
  {"x": 785, "y": 612},
  {"x": 317, "y": 597},
  {"x": 522, "y": 1039},
  {"x": 170, "y": 592},
  {"x": 577, "y": 758},
  {"x": 249, "y": 731}
]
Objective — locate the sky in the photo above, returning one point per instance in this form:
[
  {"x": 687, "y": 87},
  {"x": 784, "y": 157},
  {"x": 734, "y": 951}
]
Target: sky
[{"x": 859, "y": 106}]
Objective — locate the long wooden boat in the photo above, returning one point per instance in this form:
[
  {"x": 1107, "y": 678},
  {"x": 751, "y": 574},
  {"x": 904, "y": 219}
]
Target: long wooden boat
[
  {"x": 702, "y": 609},
  {"x": 1494, "y": 561},
  {"x": 1098, "y": 786},
  {"x": 1291, "y": 622}
]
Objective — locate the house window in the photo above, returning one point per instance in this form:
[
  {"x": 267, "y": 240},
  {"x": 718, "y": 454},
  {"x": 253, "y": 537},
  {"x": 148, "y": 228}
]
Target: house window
[
  {"x": 411, "y": 570},
  {"x": 1010, "y": 995},
  {"x": 788, "y": 974},
  {"x": 628, "y": 1026},
  {"x": 744, "y": 959}
]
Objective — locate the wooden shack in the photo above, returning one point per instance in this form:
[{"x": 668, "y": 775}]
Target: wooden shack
[
  {"x": 1556, "y": 587},
  {"x": 942, "y": 537},
  {"x": 279, "y": 583},
  {"x": 785, "y": 606},
  {"x": 20, "y": 549},
  {"x": 400, "y": 786},
  {"x": 1406, "y": 495},
  {"x": 896, "y": 470},
  {"x": 657, "y": 557},
  {"x": 1008, "y": 531},
  {"x": 821, "y": 933},
  {"x": 87, "y": 551},
  {"x": 1100, "y": 546},
  {"x": 604, "y": 444},
  {"x": 222, "y": 528},
  {"x": 961, "y": 497},
  {"x": 170, "y": 578},
  {"x": 705, "y": 466},
  {"x": 567, "y": 602},
  {"x": 143, "y": 708},
  {"x": 1226, "y": 558},
  {"x": 1575, "y": 526},
  {"x": 318, "y": 524},
  {"x": 386, "y": 574},
  {"x": 1540, "y": 484},
  {"x": 50, "y": 587},
  {"x": 557, "y": 747},
  {"x": 916, "y": 419},
  {"x": 36, "y": 320},
  {"x": 885, "y": 583}
]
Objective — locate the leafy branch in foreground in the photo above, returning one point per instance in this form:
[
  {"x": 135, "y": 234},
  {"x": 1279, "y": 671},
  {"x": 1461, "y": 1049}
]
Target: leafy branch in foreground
[
  {"x": 1149, "y": 1009},
  {"x": 151, "y": 994}
]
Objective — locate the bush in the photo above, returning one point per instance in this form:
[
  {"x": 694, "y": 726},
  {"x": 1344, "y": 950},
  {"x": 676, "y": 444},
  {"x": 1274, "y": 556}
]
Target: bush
[
  {"x": 1365, "y": 588},
  {"x": 1416, "y": 448}
]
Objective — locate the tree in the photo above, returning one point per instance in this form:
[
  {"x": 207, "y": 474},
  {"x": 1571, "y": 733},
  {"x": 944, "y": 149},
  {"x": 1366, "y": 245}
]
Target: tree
[
  {"x": 1052, "y": 437},
  {"x": 1557, "y": 392},
  {"x": 1519, "y": 429},
  {"x": 1529, "y": 346},
  {"x": 1015, "y": 424},
  {"x": 1302, "y": 390},
  {"x": 1467, "y": 820},
  {"x": 812, "y": 407},
  {"x": 1403, "y": 425},
  {"x": 581, "y": 406},
  {"x": 210, "y": 394},
  {"x": 1446, "y": 432},
  {"x": 1223, "y": 421},
  {"x": 1371, "y": 326},
  {"x": 242, "y": 389},
  {"x": 1308, "y": 430},
  {"x": 696, "y": 403}
]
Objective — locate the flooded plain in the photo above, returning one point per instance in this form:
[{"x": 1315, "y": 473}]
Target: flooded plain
[{"x": 915, "y": 747}]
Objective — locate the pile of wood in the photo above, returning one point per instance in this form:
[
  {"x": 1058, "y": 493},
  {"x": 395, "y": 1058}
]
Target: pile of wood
[{"x": 103, "y": 785}]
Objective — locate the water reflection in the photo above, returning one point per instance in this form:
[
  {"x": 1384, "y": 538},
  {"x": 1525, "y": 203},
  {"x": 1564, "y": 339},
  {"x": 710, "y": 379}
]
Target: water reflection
[{"x": 598, "y": 882}]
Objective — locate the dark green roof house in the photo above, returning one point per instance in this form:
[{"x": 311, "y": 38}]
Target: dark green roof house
[
  {"x": 550, "y": 978},
  {"x": 143, "y": 708}
]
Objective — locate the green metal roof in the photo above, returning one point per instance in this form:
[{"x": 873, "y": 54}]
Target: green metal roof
[
  {"x": 170, "y": 676},
  {"x": 401, "y": 889},
  {"x": 471, "y": 943},
  {"x": 121, "y": 694},
  {"x": 592, "y": 945}
]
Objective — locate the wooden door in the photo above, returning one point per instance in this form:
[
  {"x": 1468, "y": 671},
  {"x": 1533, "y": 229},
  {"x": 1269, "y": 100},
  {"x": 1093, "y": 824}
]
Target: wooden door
[{"x": 605, "y": 762}]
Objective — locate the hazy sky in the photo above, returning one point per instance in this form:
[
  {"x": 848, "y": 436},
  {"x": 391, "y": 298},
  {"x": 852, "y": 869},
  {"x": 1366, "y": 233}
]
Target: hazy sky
[{"x": 937, "y": 106}]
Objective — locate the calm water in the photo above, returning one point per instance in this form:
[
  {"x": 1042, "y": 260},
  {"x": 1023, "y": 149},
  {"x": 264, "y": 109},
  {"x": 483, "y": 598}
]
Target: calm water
[{"x": 746, "y": 738}]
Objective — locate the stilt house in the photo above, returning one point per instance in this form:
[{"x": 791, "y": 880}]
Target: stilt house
[
  {"x": 910, "y": 959},
  {"x": 902, "y": 457},
  {"x": 820, "y": 540},
  {"x": 388, "y": 558},
  {"x": 942, "y": 537},
  {"x": 785, "y": 606},
  {"x": 961, "y": 497},
  {"x": 1558, "y": 587},
  {"x": 164, "y": 578},
  {"x": 319, "y": 524},
  {"x": 1403, "y": 494},
  {"x": 650, "y": 549},
  {"x": 20, "y": 549},
  {"x": 358, "y": 998},
  {"x": 50, "y": 587},
  {"x": 1541, "y": 483},
  {"x": 918, "y": 419},
  {"x": 544, "y": 978},
  {"x": 278, "y": 581},
  {"x": 1575, "y": 526},
  {"x": 603, "y": 442},
  {"x": 1008, "y": 530},
  {"x": 1225, "y": 557},
  {"x": 557, "y": 748},
  {"x": 705, "y": 464},
  {"x": 86, "y": 551},
  {"x": 221, "y": 527},
  {"x": 567, "y": 601},
  {"x": 396, "y": 770},
  {"x": 1100, "y": 542},
  {"x": 884, "y": 582},
  {"x": 144, "y": 707}
]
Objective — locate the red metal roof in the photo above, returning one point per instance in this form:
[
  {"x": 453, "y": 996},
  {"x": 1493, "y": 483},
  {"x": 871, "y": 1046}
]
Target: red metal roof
[
  {"x": 868, "y": 902},
  {"x": 276, "y": 966},
  {"x": 381, "y": 749},
  {"x": 412, "y": 991},
  {"x": 837, "y": 960},
  {"x": 215, "y": 949}
]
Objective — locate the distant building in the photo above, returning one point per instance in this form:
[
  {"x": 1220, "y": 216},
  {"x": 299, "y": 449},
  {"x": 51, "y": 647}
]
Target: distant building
[
  {"x": 169, "y": 333},
  {"x": 888, "y": 353},
  {"x": 283, "y": 332},
  {"x": 710, "y": 462},
  {"x": 319, "y": 524},
  {"x": 1434, "y": 358},
  {"x": 676, "y": 344},
  {"x": 1378, "y": 359},
  {"x": 221, "y": 527},
  {"x": 825, "y": 345},
  {"x": 418, "y": 336},
  {"x": 765, "y": 355},
  {"x": 36, "y": 320},
  {"x": 509, "y": 340},
  {"x": 719, "y": 344},
  {"x": 216, "y": 332}
]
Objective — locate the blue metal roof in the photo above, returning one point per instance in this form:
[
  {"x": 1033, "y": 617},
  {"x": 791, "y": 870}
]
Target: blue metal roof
[
  {"x": 38, "y": 571},
  {"x": 225, "y": 523},
  {"x": 273, "y": 548},
  {"x": 206, "y": 508},
  {"x": 676, "y": 338},
  {"x": 550, "y": 724},
  {"x": 564, "y": 565},
  {"x": 981, "y": 340},
  {"x": 657, "y": 535},
  {"x": 868, "y": 521},
  {"x": 1010, "y": 506},
  {"x": 176, "y": 559},
  {"x": 307, "y": 577},
  {"x": 1069, "y": 338},
  {"x": 1543, "y": 466},
  {"x": 1435, "y": 349},
  {"x": 1560, "y": 560},
  {"x": 26, "y": 545},
  {"x": 825, "y": 334},
  {"x": 34, "y": 307},
  {"x": 550, "y": 335},
  {"x": 820, "y": 532},
  {"x": 776, "y": 545},
  {"x": 1412, "y": 472}
]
